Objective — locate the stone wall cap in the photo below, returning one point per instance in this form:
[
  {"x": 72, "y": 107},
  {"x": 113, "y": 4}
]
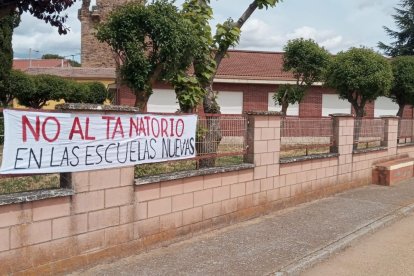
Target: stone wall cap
[
  {"x": 389, "y": 117},
  {"x": 96, "y": 107},
  {"x": 192, "y": 173},
  {"x": 288, "y": 160},
  {"x": 264, "y": 113},
  {"x": 34, "y": 196},
  {"x": 342, "y": 115}
]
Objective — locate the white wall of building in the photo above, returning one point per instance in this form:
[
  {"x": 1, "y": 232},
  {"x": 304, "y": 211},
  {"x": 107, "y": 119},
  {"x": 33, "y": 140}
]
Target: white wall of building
[
  {"x": 331, "y": 103},
  {"x": 163, "y": 101},
  {"x": 230, "y": 102},
  {"x": 385, "y": 106}
]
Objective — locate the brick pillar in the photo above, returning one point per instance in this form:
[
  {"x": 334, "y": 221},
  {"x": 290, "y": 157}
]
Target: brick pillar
[
  {"x": 343, "y": 136},
  {"x": 263, "y": 140},
  {"x": 390, "y": 133}
]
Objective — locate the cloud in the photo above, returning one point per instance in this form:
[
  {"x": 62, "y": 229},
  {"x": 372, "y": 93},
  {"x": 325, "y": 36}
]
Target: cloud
[
  {"x": 38, "y": 35},
  {"x": 257, "y": 34}
]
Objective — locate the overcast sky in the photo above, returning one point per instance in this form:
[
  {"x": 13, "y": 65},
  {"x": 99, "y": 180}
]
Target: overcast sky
[{"x": 336, "y": 25}]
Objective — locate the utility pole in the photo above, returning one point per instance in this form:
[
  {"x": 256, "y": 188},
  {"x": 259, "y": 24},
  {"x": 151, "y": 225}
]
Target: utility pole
[{"x": 30, "y": 56}]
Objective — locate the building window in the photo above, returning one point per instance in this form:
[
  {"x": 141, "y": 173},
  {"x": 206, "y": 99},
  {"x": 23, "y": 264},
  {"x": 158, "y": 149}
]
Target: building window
[
  {"x": 293, "y": 109},
  {"x": 163, "y": 101},
  {"x": 385, "y": 106},
  {"x": 230, "y": 102},
  {"x": 331, "y": 104}
]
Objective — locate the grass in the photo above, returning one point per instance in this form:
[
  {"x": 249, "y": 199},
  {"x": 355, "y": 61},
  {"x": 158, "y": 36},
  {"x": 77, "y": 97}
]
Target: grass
[
  {"x": 9, "y": 185},
  {"x": 287, "y": 153},
  {"x": 182, "y": 165},
  {"x": 19, "y": 184},
  {"x": 227, "y": 145}
]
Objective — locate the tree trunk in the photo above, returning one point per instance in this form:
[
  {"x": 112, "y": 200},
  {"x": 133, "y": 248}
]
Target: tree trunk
[
  {"x": 359, "y": 113},
  {"x": 400, "y": 115},
  {"x": 400, "y": 110},
  {"x": 285, "y": 106},
  {"x": 209, "y": 143},
  {"x": 141, "y": 100}
]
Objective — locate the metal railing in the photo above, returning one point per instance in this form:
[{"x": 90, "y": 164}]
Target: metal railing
[
  {"x": 368, "y": 133},
  {"x": 306, "y": 136},
  {"x": 221, "y": 140},
  {"x": 225, "y": 133},
  {"x": 405, "y": 131}
]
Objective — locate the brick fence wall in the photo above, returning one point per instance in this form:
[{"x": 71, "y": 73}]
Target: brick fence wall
[{"x": 111, "y": 214}]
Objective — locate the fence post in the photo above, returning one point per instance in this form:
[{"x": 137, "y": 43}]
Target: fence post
[
  {"x": 263, "y": 143},
  {"x": 390, "y": 133},
  {"x": 343, "y": 136}
]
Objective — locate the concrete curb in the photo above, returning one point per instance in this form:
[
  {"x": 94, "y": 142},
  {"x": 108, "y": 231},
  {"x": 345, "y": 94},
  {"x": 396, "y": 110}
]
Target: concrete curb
[{"x": 325, "y": 252}]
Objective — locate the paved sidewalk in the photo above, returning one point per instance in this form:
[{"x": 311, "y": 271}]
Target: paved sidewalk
[
  {"x": 284, "y": 242},
  {"x": 387, "y": 252}
]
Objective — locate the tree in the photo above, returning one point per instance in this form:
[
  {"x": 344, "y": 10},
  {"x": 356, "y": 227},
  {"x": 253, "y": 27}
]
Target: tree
[
  {"x": 402, "y": 91},
  {"x": 214, "y": 49},
  {"x": 17, "y": 83},
  {"x": 404, "y": 38},
  {"x": 72, "y": 63},
  {"x": 152, "y": 42},
  {"x": 227, "y": 35},
  {"x": 137, "y": 33},
  {"x": 359, "y": 75},
  {"x": 46, "y": 10},
  {"x": 96, "y": 93},
  {"x": 307, "y": 61},
  {"x": 45, "y": 88},
  {"x": 7, "y": 24}
]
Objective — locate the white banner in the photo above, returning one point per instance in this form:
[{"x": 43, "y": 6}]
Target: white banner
[{"x": 45, "y": 142}]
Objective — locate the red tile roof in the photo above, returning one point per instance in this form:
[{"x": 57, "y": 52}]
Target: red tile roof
[
  {"x": 23, "y": 64},
  {"x": 237, "y": 65},
  {"x": 253, "y": 65},
  {"x": 75, "y": 72}
]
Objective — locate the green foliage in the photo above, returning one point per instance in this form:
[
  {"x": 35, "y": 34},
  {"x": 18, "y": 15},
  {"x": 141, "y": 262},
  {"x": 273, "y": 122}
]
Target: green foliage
[
  {"x": 227, "y": 35},
  {"x": 307, "y": 61},
  {"x": 17, "y": 83},
  {"x": 404, "y": 38},
  {"x": 84, "y": 92},
  {"x": 7, "y": 24},
  {"x": 35, "y": 91},
  {"x": 72, "y": 63},
  {"x": 266, "y": 3},
  {"x": 153, "y": 42},
  {"x": 52, "y": 56},
  {"x": 45, "y": 88},
  {"x": 402, "y": 91},
  {"x": 97, "y": 93},
  {"x": 76, "y": 92},
  {"x": 48, "y": 11},
  {"x": 188, "y": 91},
  {"x": 359, "y": 75},
  {"x": 289, "y": 94}
]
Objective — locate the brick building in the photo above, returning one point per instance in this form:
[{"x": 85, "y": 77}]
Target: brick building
[
  {"x": 94, "y": 53},
  {"x": 247, "y": 80}
]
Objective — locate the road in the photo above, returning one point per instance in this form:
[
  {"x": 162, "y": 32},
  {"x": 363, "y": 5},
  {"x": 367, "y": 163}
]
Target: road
[{"x": 389, "y": 251}]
